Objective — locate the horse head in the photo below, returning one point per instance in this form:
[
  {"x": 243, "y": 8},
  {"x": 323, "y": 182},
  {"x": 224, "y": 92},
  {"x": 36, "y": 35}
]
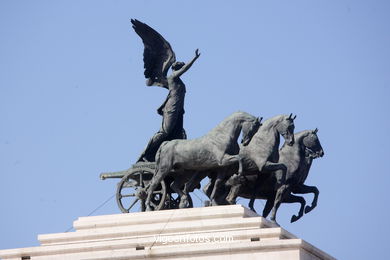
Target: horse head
[
  {"x": 249, "y": 129},
  {"x": 313, "y": 148},
  {"x": 286, "y": 128}
]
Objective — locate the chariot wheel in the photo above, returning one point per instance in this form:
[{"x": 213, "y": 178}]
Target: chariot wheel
[{"x": 131, "y": 191}]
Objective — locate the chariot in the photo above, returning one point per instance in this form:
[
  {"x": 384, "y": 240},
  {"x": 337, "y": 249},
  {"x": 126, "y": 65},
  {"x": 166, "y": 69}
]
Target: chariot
[{"x": 131, "y": 190}]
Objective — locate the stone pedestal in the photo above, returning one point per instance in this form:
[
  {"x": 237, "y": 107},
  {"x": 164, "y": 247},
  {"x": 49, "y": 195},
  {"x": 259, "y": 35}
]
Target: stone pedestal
[{"x": 223, "y": 232}]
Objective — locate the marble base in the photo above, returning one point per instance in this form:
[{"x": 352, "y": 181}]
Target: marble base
[{"x": 223, "y": 232}]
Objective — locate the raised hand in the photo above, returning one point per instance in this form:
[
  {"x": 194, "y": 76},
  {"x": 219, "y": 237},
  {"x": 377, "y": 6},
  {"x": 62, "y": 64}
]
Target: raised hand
[{"x": 197, "y": 54}]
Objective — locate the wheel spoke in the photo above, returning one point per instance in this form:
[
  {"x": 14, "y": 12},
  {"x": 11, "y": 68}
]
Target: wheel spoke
[
  {"x": 128, "y": 195},
  {"x": 152, "y": 203},
  {"x": 130, "y": 184},
  {"x": 132, "y": 204},
  {"x": 141, "y": 180}
]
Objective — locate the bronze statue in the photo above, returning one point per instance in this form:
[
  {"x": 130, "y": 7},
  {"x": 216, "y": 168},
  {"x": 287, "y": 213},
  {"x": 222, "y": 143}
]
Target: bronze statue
[
  {"x": 170, "y": 165},
  {"x": 158, "y": 58}
]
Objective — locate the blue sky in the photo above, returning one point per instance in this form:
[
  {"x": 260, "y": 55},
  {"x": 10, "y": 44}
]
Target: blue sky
[{"x": 73, "y": 104}]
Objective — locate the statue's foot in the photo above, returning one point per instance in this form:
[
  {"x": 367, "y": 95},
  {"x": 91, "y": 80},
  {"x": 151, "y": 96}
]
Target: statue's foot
[
  {"x": 294, "y": 218},
  {"x": 308, "y": 209}
]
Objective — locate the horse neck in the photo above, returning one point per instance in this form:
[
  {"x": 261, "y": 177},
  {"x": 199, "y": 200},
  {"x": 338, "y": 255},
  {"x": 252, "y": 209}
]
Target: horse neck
[
  {"x": 291, "y": 155},
  {"x": 301, "y": 147},
  {"x": 306, "y": 165},
  {"x": 299, "y": 164},
  {"x": 232, "y": 128},
  {"x": 269, "y": 131}
]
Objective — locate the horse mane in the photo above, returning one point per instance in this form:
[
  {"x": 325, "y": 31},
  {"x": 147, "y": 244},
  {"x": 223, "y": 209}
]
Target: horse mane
[
  {"x": 242, "y": 114},
  {"x": 245, "y": 115},
  {"x": 302, "y": 134},
  {"x": 272, "y": 121},
  {"x": 298, "y": 138}
]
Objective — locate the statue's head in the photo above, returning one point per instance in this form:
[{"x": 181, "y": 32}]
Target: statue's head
[
  {"x": 286, "y": 128},
  {"x": 312, "y": 144},
  {"x": 177, "y": 65}
]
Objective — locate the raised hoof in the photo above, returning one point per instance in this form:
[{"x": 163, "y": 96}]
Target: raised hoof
[
  {"x": 308, "y": 209},
  {"x": 294, "y": 218}
]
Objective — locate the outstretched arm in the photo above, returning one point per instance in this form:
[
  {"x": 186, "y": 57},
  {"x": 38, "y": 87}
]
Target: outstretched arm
[{"x": 187, "y": 65}]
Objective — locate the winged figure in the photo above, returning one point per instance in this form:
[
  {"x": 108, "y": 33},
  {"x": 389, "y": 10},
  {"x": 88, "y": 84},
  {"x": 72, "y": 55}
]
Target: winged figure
[{"x": 158, "y": 58}]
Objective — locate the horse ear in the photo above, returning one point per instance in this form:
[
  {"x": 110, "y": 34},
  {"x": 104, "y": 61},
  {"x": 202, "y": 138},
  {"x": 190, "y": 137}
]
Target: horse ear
[
  {"x": 315, "y": 130},
  {"x": 294, "y": 117},
  {"x": 289, "y": 117},
  {"x": 259, "y": 119}
]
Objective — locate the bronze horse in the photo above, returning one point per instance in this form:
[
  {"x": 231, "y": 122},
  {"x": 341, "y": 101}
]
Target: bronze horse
[
  {"x": 218, "y": 148},
  {"x": 260, "y": 157},
  {"x": 298, "y": 158}
]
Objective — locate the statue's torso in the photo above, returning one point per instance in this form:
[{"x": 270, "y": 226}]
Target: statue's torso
[{"x": 176, "y": 95}]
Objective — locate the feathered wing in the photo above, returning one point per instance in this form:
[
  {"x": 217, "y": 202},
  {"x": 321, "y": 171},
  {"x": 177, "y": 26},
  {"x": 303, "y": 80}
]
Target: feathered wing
[{"x": 158, "y": 54}]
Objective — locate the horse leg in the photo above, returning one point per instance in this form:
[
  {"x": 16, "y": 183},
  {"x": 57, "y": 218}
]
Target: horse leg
[
  {"x": 281, "y": 188},
  {"x": 190, "y": 185},
  {"x": 226, "y": 161},
  {"x": 271, "y": 166},
  {"x": 281, "y": 192},
  {"x": 233, "y": 193},
  {"x": 208, "y": 189},
  {"x": 157, "y": 178},
  {"x": 231, "y": 160},
  {"x": 303, "y": 189},
  {"x": 268, "y": 166},
  {"x": 217, "y": 184},
  {"x": 176, "y": 185},
  {"x": 195, "y": 180},
  {"x": 290, "y": 198},
  {"x": 268, "y": 206},
  {"x": 234, "y": 185},
  {"x": 254, "y": 193},
  {"x": 251, "y": 204},
  {"x": 240, "y": 166}
]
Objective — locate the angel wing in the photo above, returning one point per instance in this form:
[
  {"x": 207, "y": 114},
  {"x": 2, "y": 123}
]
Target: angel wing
[{"x": 158, "y": 54}]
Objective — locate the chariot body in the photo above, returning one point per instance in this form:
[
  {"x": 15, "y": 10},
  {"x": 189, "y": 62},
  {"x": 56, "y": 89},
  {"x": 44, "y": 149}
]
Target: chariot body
[{"x": 131, "y": 189}]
